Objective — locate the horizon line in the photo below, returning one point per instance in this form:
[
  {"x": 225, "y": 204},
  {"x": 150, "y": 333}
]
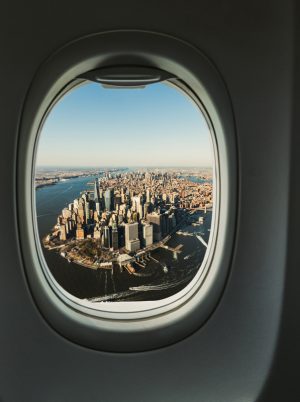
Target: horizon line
[{"x": 120, "y": 166}]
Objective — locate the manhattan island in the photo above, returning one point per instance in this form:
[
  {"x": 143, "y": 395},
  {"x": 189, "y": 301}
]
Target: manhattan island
[{"x": 128, "y": 215}]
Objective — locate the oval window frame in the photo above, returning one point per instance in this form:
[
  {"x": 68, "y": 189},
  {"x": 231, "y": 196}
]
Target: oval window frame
[{"x": 139, "y": 329}]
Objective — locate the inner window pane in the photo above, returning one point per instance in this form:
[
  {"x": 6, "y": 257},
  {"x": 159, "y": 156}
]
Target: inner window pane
[{"x": 124, "y": 192}]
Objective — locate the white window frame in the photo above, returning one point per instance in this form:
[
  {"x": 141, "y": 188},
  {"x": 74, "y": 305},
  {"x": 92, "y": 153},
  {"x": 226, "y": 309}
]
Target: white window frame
[{"x": 139, "y": 327}]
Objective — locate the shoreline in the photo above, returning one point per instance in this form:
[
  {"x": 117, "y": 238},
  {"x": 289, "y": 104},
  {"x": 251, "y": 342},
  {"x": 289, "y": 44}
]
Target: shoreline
[{"x": 114, "y": 260}]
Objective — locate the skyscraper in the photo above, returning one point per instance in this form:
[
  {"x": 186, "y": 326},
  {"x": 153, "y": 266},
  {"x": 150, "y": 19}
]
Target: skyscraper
[
  {"x": 156, "y": 220},
  {"x": 148, "y": 195},
  {"x": 87, "y": 210},
  {"x": 147, "y": 234},
  {"x": 108, "y": 199},
  {"x": 115, "y": 237},
  {"x": 81, "y": 213},
  {"x": 96, "y": 191},
  {"x": 132, "y": 242},
  {"x": 106, "y": 235},
  {"x": 63, "y": 232}
]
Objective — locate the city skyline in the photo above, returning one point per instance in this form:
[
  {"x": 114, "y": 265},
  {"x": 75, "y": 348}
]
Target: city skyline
[
  {"x": 154, "y": 127},
  {"x": 124, "y": 220}
]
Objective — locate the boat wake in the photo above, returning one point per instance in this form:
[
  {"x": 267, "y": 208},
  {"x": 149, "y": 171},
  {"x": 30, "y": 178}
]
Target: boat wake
[{"x": 137, "y": 289}]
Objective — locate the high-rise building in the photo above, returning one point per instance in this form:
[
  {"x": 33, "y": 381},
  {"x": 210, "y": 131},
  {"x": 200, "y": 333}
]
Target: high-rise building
[
  {"x": 81, "y": 213},
  {"x": 87, "y": 210},
  {"x": 117, "y": 201},
  {"x": 63, "y": 232},
  {"x": 115, "y": 237},
  {"x": 147, "y": 234},
  {"x": 172, "y": 222},
  {"x": 156, "y": 220},
  {"x": 85, "y": 196},
  {"x": 66, "y": 213},
  {"x": 106, "y": 237},
  {"x": 132, "y": 235},
  {"x": 165, "y": 224},
  {"x": 96, "y": 191},
  {"x": 133, "y": 245},
  {"x": 108, "y": 199},
  {"x": 136, "y": 201},
  {"x": 76, "y": 203},
  {"x": 121, "y": 234},
  {"x": 98, "y": 207}
]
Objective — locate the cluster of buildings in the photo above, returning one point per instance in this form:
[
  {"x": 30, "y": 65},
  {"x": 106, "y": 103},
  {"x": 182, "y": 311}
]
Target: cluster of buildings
[{"x": 131, "y": 210}]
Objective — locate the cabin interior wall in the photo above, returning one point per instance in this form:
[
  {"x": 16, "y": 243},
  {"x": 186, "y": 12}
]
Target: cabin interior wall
[{"x": 251, "y": 44}]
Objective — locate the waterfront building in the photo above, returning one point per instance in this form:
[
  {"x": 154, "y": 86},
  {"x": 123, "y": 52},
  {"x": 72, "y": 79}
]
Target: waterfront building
[
  {"x": 66, "y": 213},
  {"x": 76, "y": 204},
  {"x": 63, "y": 232},
  {"x": 131, "y": 234},
  {"x": 133, "y": 245},
  {"x": 156, "y": 220},
  {"x": 85, "y": 196}
]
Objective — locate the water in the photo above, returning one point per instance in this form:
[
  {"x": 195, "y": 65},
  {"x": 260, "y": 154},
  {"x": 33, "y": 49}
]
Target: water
[
  {"x": 196, "y": 179},
  {"x": 156, "y": 281}
]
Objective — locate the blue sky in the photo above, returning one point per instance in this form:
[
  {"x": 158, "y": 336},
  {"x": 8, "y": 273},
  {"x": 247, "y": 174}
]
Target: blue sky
[{"x": 154, "y": 126}]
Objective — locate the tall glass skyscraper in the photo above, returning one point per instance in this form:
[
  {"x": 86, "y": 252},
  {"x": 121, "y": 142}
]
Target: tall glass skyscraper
[
  {"x": 96, "y": 191},
  {"x": 108, "y": 199}
]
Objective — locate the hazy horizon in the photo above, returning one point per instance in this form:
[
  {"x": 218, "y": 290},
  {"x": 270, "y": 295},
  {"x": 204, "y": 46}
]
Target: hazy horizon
[{"x": 122, "y": 167}]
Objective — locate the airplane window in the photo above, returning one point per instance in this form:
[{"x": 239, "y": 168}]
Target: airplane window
[{"x": 125, "y": 192}]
